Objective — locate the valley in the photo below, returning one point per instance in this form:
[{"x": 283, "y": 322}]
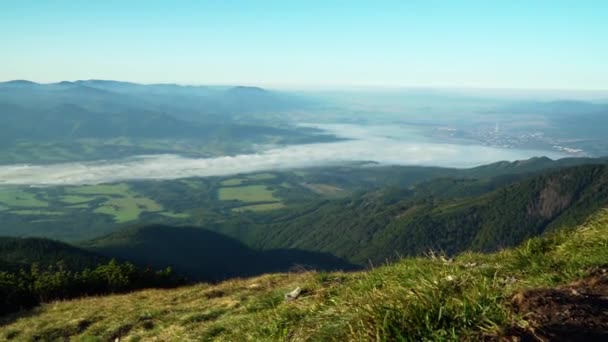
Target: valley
[{"x": 303, "y": 171}]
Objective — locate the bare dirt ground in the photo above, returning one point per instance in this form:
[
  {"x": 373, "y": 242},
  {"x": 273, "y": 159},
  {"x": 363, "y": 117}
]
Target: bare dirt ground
[{"x": 575, "y": 312}]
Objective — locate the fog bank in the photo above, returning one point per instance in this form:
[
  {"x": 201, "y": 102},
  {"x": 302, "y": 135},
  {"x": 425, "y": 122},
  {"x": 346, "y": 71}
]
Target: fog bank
[{"x": 382, "y": 144}]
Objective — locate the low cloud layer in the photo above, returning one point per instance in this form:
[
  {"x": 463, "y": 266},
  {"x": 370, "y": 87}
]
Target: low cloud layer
[{"x": 386, "y": 145}]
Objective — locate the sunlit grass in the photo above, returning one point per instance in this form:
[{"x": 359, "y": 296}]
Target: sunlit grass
[{"x": 416, "y": 299}]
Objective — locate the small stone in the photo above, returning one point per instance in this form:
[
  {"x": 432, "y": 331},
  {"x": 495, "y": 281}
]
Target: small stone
[{"x": 293, "y": 294}]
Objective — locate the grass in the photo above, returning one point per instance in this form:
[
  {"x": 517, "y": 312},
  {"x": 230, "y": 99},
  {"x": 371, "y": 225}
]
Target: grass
[
  {"x": 249, "y": 193},
  {"x": 20, "y": 198},
  {"x": 175, "y": 215},
  {"x": 232, "y": 182},
  {"x": 260, "y": 207},
  {"x": 327, "y": 190},
  {"x": 128, "y": 208},
  {"x": 119, "y": 200},
  {"x": 36, "y": 212},
  {"x": 75, "y": 199},
  {"x": 79, "y": 206},
  {"x": 416, "y": 299},
  {"x": 120, "y": 189}
]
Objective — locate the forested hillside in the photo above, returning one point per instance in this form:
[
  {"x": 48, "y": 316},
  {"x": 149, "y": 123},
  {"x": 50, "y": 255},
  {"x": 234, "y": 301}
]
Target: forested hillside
[
  {"x": 205, "y": 255},
  {"x": 23, "y": 252},
  {"x": 448, "y": 215},
  {"x": 34, "y": 270}
]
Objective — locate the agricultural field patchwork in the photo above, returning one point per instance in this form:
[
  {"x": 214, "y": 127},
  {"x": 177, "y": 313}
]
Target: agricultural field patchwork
[
  {"x": 76, "y": 213},
  {"x": 118, "y": 201}
]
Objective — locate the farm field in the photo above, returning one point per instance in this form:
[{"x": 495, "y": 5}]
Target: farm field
[
  {"x": 260, "y": 207},
  {"x": 79, "y": 212},
  {"x": 248, "y": 193}
]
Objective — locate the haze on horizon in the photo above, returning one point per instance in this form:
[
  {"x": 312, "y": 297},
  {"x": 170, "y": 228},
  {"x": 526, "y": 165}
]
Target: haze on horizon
[{"x": 530, "y": 45}]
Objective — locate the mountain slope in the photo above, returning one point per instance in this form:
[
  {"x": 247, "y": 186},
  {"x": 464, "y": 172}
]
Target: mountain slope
[
  {"x": 205, "y": 255},
  {"x": 384, "y": 224},
  {"x": 474, "y": 297}
]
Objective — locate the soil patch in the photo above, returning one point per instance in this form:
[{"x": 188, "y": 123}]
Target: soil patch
[{"x": 574, "y": 312}]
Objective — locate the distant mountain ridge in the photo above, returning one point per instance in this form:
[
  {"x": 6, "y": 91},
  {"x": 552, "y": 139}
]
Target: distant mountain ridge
[{"x": 104, "y": 108}]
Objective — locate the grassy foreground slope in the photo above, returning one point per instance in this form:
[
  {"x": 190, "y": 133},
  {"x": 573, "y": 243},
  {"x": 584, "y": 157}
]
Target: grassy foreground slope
[{"x": 430, "y": 298}]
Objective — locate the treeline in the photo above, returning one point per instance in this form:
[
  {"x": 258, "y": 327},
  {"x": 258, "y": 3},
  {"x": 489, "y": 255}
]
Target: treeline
[{"x": 26, "y": 288}]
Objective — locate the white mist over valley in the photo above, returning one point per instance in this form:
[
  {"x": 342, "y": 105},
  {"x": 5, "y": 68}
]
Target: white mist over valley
[{"x": 383, "y": 144}]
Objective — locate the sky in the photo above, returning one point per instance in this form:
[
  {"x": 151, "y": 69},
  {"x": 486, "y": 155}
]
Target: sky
[{"x": 480, "y": 44}]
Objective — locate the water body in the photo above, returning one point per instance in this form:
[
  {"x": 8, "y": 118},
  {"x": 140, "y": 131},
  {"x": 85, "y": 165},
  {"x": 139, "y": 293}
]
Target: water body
[{"x": 392, "y": 145}]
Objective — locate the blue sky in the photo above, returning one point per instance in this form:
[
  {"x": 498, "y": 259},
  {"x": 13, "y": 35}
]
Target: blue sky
[{"x": 496, "y": 44}]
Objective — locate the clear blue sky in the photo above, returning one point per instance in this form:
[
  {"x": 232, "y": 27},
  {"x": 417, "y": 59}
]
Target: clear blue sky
[{"x": 504, "y": 44}]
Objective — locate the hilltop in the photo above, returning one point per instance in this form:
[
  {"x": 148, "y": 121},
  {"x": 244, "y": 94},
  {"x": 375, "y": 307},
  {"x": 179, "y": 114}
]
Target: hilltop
[{"x": 471, "y": 297}]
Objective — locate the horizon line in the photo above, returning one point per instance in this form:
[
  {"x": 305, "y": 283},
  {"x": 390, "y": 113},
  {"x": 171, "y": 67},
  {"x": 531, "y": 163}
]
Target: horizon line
[{"x": 336, "y": 86}]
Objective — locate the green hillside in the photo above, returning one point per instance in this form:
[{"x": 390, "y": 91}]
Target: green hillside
[
  {"x": 472, "y": 297},
  {"x": 447, "y": 215}
]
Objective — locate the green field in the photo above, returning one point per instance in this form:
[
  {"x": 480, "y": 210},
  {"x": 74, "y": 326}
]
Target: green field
[
  {"x": 327, "y": 190},
  {"x": 128, "y": 208},
  {"x": 119, "y": 200},
  {"x": 175, "y": 215},
  {"x": 75, "y": 199},
  {"x": 259, "y": 207},
  {"x": 79, "y": 206},
  {"x": 120, "y": 189},
  {"x": 232, "y": 182},
  {"x": 37, "y": 212},
  {"x": 20, "y": 198},
  {"x": 249, "y": 193}
]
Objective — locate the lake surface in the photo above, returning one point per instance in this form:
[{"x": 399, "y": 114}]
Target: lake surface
[{"x": 391, "y": 145}]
